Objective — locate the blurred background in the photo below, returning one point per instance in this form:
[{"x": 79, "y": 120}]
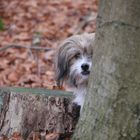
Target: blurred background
[{"x": 31, "y": 30}]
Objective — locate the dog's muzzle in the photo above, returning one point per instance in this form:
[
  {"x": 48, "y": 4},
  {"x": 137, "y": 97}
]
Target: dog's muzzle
[{"x": 85, "y": 69}]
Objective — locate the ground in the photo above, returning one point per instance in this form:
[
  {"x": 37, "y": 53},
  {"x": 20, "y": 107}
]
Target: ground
[
  {"x": 32, "y": 32},
  {"x": 46, "y": 23}
]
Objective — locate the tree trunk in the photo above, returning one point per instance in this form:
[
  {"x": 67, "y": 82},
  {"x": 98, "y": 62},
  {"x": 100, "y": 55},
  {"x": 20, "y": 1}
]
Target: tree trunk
[
  {"x": 24, "y": 113},
  {"x": 112, "y": 107}
]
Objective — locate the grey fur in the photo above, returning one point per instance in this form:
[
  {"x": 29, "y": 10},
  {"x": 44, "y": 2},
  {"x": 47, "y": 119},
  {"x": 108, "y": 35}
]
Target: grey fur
[{"x": 66, "y": 51}]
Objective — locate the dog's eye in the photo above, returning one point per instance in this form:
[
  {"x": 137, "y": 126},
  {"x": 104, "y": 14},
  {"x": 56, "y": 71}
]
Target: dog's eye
[
  {"x": 76, "y": 56},
  {"x": 90, "y": 57}
]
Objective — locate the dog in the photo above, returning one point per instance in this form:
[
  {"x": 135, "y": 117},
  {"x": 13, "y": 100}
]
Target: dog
[{"x": 73, "y": 64}]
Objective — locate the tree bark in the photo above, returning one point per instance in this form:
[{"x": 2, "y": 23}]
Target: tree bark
[
  {"x": 112, "y": 107},
  {"x": 24, "y": 113}
]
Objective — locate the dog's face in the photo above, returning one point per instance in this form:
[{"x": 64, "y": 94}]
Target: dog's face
[
  {"x": 80, "y": 66},
  {"x": 74, "y": 60}
]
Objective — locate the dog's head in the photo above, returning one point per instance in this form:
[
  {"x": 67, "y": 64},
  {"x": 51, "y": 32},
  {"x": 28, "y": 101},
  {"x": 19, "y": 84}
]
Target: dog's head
[{"x": 73, "y": 60}]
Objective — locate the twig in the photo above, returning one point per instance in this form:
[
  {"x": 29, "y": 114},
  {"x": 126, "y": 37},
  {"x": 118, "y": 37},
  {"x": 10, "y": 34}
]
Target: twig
[{"x": 19, "y": 46}]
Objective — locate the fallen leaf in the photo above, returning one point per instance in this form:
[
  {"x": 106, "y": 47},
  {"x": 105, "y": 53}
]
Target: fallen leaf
[
  {"x": 16, "y": 136},
  {"x": 52, "y": 136},
  {"x": 13, "y": 76}
]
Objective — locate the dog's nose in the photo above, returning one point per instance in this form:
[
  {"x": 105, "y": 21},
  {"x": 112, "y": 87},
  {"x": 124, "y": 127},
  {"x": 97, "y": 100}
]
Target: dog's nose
[{"x": 85, "y": 66}]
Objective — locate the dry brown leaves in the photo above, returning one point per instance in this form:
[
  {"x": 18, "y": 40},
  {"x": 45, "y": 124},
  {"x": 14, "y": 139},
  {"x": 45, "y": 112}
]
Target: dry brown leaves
[
  {"x": 38, "y": 136},
  {"x": 54, "y": 21}
]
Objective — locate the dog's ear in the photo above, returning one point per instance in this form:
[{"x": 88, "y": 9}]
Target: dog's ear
[{"x": 61, "y": 63}]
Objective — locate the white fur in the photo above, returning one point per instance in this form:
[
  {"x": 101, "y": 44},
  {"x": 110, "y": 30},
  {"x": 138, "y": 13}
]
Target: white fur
[
  {"x": 80, "y": 96},
  {"x": 81, "y": 89},
  {"x": 74, "y": 76},
  {"x": 77, "y": 65}
]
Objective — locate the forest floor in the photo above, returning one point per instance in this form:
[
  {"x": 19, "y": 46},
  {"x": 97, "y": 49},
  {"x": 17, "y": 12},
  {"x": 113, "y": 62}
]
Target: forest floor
[
  {"x": 42, "y": 24},
  {"x": 32, "y": 32}
]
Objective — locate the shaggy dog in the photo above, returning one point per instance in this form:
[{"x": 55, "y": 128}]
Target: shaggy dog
[{"x": 73, "y": 64}]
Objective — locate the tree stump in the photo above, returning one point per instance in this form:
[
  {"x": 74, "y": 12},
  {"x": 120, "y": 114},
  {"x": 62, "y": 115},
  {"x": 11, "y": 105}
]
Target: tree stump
[{"x": 26, "y": 112}]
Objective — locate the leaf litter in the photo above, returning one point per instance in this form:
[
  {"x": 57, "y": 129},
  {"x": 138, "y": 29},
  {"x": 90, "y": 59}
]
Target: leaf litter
[{"x": 40, "y": 24}]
